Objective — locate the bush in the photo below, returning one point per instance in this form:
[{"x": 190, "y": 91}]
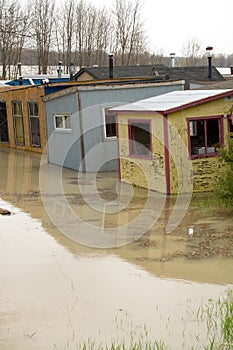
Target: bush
[{"x": 224, "y": 186}]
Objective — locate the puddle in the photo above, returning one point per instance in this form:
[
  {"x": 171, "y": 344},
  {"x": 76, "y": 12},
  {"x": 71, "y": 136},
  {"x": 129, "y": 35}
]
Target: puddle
[{"x": 57, "y": 293}]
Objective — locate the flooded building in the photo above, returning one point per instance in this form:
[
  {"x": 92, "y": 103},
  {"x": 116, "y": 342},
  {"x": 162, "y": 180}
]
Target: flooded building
[
  {"x": 170, "y": 143},
  {"x": 81, "y": 132},
  {"x": 22, "y": 122}
]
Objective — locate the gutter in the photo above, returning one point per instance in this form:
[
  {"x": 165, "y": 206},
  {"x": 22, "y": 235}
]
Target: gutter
[
  {"x": 166, "y": 154},
  {"x": 82, "y": 146}
]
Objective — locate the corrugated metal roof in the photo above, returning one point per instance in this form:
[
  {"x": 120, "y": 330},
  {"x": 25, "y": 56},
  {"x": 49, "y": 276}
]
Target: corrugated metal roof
[{"x": 173, "y": 100}]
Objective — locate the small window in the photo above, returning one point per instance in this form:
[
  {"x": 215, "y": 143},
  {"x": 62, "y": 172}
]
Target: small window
[
  {"x": 205, "y": 136},
  {"x": 62, "y": 122},
  {"x": 140, "y": 138},
  {"x": 110, "y": 124}
]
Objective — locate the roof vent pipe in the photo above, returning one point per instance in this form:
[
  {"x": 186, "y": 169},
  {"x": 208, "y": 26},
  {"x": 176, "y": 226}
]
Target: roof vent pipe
[
  {"x": 59, "y": 71},
  {"x": 110, "y": 65},
  {"x": 209, "y": 49},
  {"x": 20, "y": 73},
  {"x": 173, "y": 59}
]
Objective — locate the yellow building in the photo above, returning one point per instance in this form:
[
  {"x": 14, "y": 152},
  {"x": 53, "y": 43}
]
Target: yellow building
[
  {"x": 22, "y": 121},
  {"x": 169, "y": 143}
]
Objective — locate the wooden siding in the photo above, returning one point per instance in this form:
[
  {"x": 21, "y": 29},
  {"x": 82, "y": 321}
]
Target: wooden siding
[{"x": 24, "y": 95}]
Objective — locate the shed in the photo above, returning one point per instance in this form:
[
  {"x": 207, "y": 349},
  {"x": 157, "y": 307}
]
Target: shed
[
  {"x": 169, "y": 143},
  {"x": 81, "y": 132}
]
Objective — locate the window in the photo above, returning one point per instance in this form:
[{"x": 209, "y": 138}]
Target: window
[
  {"x": 62, "y": 122},
  {"x": 110, "y": 124},
  {"x": 4, "y": 136},
  {"x": 230, "y": 124},
  {"x": 140, "y": 138},
  {"x": 34, "y": 124},
  {"x": 205, "y": 136},
  {"x": 18, "y": 123}
]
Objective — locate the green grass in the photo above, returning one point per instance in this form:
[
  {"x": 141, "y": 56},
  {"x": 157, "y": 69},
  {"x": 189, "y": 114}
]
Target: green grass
[{"x": 215, "y": 318}]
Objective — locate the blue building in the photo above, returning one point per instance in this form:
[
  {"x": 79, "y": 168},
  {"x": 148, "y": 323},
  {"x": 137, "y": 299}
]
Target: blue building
[{"x": 81, "y": 132}]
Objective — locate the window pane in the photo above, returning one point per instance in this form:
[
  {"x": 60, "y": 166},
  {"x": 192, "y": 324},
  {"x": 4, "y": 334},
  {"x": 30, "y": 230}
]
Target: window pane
[
  {"x": 35, "y": 131},
  {"x": 19, "y": 134},
  {"x": 17, "y": 108},
  {"x": 198, "y": 140},
  {"x": 110, "y": 124},
  {"x": 33, "y": 108},
  {"x": 67, "y": 122},
  {"x": 140, "y": 136},
  {"x": 212, "y": 127},
  {"x": 206, "y": 139},
  {"x": 4, "y": 137},
  {"x": 59, "y": 122},
  {"x": 18, "y": 123}
]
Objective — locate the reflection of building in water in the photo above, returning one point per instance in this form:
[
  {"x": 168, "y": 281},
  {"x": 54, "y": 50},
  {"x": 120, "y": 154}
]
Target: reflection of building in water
[
  {"x": 19, "y": 172},
  {"x": 168, "y": 254}
]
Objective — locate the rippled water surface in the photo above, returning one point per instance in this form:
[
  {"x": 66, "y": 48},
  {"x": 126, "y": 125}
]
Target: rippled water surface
[{"x": 76, "y": 264}]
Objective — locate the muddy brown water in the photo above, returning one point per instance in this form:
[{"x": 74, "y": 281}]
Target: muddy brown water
[{"x": 64, "y": 281}]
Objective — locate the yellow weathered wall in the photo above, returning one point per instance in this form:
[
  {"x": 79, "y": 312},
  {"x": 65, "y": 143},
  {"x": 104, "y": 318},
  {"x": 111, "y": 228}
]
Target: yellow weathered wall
[
  {"x": 147, "y": 173},
  {"x": 24, "y": 95},
  {"x": 204, "y": 170},
  {"x": 186, "y": 175}
]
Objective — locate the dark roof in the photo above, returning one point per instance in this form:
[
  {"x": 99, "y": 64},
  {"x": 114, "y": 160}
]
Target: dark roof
[
  {"x": 195, "y": 73},
  {"x": 189, "y": 73},
  {"x": 124, "y": 71}
]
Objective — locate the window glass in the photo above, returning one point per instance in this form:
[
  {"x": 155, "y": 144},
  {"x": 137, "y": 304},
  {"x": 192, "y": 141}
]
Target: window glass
[
  {"x": 140, "y": 138},
  {"x": 59, "y": 122},
  {"x": 205, "y": 136},
  {"x": 67, "y": 122},
  {"x": 18, "y": 123},
  {"x": 34, "y": 124},
  {"x": 62, "y": 122},
  {"x": 4, "y": 137},
  {"x": 110, "y": 124}
]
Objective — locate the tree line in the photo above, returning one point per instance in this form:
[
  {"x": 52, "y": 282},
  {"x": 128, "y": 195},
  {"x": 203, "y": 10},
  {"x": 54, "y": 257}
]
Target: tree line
[{"x": 43, "y": 32}]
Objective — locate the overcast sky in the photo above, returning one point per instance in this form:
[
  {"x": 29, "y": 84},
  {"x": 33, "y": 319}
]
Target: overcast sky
[{"x": 170, "y": 24}]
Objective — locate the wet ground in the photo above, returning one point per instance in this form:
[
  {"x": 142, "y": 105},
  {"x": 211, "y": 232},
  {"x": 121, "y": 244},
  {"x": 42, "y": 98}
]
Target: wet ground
[{"x": 84, "y": 257}]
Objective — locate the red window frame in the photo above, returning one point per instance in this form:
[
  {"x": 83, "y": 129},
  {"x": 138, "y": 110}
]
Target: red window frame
[
  {"x": 221, "y": 137},
  {"x": 134, "y": 122}
]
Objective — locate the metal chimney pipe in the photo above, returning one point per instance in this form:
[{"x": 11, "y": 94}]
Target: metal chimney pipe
[
  {"x": 59, "y": 71},
  {"x": 110, "y": 65},
  {"x": 209, "y": 67},
  {"x": 209, "y": 48},
  {"x": 20, "y": 74}
]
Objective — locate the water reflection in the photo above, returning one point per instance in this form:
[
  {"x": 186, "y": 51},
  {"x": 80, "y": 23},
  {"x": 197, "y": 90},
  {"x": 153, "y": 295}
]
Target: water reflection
[
  {"x": 56, "y": 293},
  {"x": 200, "y": 248}
]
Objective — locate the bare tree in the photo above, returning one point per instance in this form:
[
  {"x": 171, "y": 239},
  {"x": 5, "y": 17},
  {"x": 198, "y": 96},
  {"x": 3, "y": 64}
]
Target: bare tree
[
  {"x": 67, "y": 32},
  {"x": 191, "y": 53},
  {"x": 13, "y": 28},
  {"x": 129, "y": 29},
  {"x": 42, "y": 30}
]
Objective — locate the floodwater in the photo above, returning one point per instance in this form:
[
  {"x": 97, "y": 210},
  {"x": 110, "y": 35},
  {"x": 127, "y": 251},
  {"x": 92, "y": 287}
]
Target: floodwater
[{"x": 84, "y": 258}]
